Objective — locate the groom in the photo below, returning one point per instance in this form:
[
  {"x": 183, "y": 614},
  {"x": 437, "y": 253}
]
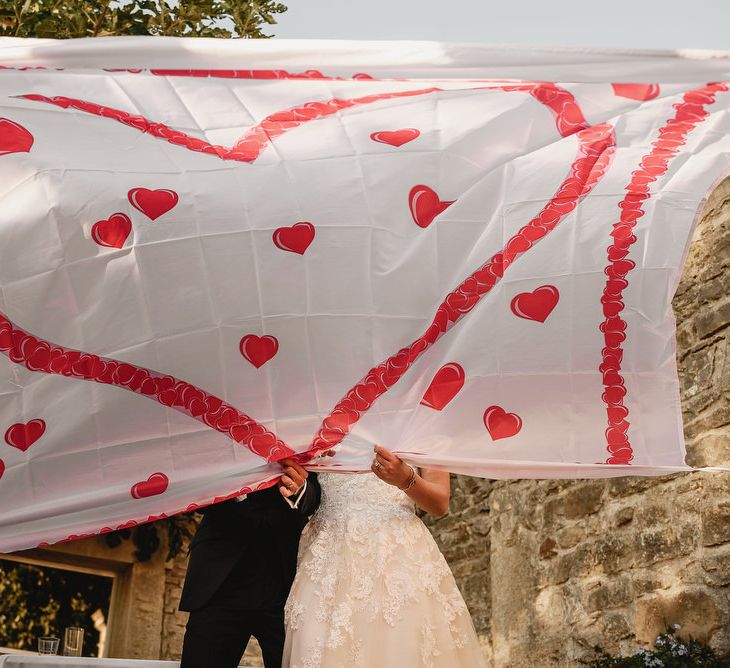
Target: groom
[{"x": 242, "y": 564}]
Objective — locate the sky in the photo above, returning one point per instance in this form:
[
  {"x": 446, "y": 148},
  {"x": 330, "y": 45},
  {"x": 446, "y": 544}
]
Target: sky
[{"x": 654, "y": 24}]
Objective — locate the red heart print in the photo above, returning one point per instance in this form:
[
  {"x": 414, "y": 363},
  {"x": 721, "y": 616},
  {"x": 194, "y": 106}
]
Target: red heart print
[
  {"x": 22, "y": 435},
  {"x": 425, "y": 205},
  {"x": 156, "y": 484},
  {"x": 152, "y": 203},
  {"x": 112, "y": 232},
  {"x": 2, "y": 468},
  {"x": 259, "y": 349},
  {"x": 395, "y": 137},
  {"x": 295, "y": 239},
  {"x": 536, "y": 305},
  {"x": 501, "y": 424},
  {"x": 635, "y": 91},
  {"x": 447, "y": 382},
  {"x": 14, "y": 138}
]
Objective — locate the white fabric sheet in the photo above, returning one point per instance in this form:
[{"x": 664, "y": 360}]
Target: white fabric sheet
[{"x": 239, "y": 237}]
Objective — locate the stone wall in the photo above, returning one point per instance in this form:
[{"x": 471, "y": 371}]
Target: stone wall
[
  {"x": 173, "y": 621},
  {"x": 551, "y": 568}
]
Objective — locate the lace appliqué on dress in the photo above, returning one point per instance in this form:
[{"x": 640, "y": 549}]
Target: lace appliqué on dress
[{"x": 366, "y": 558}]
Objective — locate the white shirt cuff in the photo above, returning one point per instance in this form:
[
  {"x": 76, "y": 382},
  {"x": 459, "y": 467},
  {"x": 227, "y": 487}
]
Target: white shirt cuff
[
  {"x": 292, "y": 504},
  {"x": 295, "y": 504}
]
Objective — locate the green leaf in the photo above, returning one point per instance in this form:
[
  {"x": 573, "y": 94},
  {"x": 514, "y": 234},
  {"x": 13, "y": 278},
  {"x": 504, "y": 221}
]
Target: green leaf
[{"x": 64, "y": 19}]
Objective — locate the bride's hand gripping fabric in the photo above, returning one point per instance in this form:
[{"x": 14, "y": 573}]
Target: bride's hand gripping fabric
[{"x": 427, "y": 488}]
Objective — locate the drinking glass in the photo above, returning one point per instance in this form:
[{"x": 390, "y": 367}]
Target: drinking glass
[
  {"x": 73, "y": 641},
  {"x": 48, "y": 645}
]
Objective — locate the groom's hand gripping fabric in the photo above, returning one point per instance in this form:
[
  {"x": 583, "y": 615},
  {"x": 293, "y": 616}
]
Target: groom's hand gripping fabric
[
  {"x": 298, "y": 488},
  {"x": 293, "y": 478}
]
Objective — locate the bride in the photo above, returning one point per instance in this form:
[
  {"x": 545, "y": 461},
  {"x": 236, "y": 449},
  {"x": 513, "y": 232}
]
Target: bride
[{"x": 372, "y": 589}]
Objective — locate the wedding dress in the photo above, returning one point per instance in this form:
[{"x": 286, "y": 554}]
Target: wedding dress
[{"x": 372, "y": 589}]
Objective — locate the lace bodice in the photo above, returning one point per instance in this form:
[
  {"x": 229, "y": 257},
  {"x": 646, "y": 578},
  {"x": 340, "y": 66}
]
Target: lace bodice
[
  {"x": 370, "y": 573},
  {"x": 361, "y": 497}
]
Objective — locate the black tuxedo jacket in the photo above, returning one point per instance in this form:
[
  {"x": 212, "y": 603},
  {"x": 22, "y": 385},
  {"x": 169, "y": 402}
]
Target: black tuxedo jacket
[{"x": 249, "y": 546}]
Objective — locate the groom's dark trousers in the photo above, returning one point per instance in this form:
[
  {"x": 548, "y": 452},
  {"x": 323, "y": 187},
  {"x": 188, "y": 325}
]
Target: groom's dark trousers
[{"x": 242, "y": 563}]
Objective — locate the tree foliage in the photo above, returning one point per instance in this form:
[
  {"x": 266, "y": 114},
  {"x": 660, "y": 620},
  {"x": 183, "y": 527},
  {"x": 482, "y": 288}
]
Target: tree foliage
[
  {"x": 37, "y": 601},
  {"x": 63, "y": 19},
  {"x": 146, "y": 537}
]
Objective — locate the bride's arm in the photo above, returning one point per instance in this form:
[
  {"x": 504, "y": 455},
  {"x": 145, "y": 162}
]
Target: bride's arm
[{"x": 429, "y": 489}]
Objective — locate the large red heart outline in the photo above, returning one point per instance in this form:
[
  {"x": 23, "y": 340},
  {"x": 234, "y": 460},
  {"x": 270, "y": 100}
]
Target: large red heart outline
[
  {"x": 22, "y": 435},
  {"x": 461, "y": 300},
  {"x": 589, "y": 166}
]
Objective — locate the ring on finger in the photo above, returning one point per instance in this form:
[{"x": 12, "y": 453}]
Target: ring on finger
[{"x": 377, "y": 464}]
